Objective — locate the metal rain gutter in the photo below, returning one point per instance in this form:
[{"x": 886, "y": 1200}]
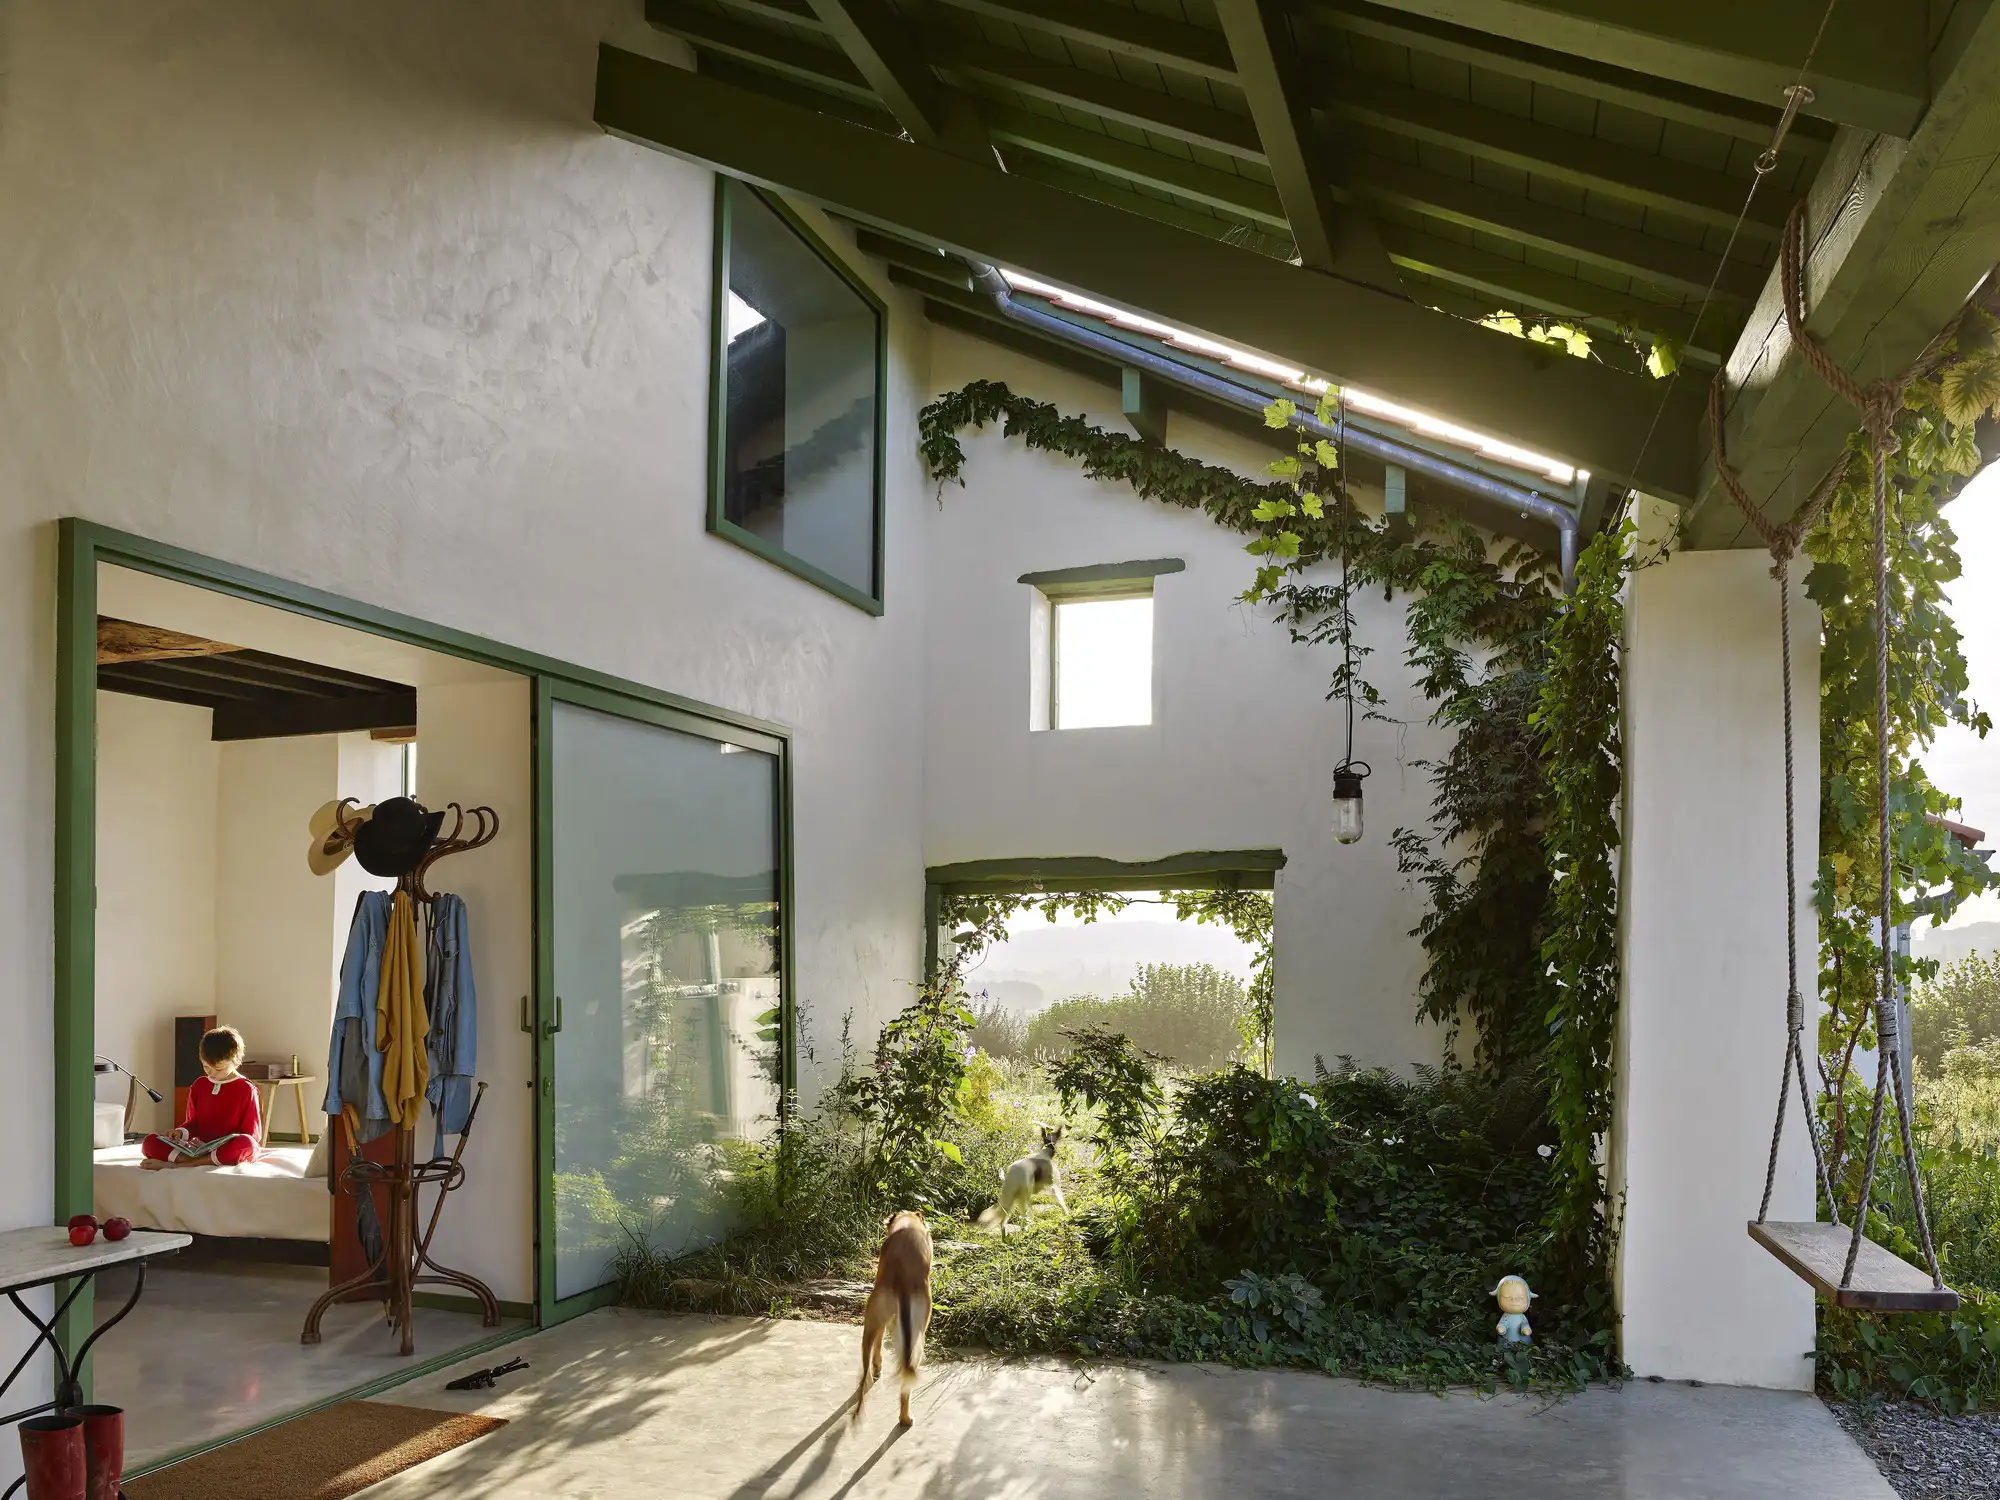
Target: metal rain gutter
[{"x": 1467, "y": 481}]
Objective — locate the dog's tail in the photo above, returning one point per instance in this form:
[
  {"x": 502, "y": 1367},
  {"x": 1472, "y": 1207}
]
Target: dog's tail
[{"x": 910, "y": 1327}]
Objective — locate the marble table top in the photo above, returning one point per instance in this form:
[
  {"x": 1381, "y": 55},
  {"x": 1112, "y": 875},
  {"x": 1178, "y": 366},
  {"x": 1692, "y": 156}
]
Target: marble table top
[{"x": 39, "y": 1255}]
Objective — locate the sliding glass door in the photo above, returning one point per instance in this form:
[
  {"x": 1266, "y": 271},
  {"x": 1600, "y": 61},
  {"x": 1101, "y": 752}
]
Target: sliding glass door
[{"x": 663, "y": 1013}]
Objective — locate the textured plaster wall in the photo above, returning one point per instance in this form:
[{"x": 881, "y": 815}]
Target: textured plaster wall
[
  {"x": 1702, "y": 1029},
  {"x": 355, "y": 293},
  {"x": 1241, "y": 750}
]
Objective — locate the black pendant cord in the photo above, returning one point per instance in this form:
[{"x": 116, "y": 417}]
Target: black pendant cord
[{"x": 1346, "y": 590}]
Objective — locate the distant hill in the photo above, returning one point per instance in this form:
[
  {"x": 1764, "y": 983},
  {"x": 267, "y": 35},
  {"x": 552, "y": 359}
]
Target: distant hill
[
  {"x": 1041, "y": 964},
  {"x": 1953, "y": 943}
]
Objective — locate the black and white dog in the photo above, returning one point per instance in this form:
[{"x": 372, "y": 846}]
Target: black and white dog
[{"x": 1023, "y": 1179}]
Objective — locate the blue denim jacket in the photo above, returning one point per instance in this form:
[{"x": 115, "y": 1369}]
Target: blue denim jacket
[
  {"x": 454, "y": 1013},
  {"x": 354, "y": 1066}
]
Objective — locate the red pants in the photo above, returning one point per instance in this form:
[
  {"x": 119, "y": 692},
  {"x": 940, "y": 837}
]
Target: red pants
[{"x": 231, "y": 1153}]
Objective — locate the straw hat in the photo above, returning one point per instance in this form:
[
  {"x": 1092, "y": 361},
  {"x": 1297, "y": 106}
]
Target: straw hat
[{"x": 330, "y": 843}]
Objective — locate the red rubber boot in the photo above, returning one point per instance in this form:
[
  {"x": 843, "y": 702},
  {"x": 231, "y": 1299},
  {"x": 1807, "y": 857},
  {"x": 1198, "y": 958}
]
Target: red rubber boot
[
  {"x": 52, "y": 1458},
  {"x": 103, "y": 1450}
]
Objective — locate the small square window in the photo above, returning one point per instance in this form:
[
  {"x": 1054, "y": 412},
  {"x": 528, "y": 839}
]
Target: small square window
[
  {"x": 796, "y": 452},
  {"x": 1101, "y": 672},
  {"x": 1090, "y": 647}
]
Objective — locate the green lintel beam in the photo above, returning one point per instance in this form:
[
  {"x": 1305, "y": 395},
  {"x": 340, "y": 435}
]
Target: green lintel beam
[
  {"x": 1587, "y": 415},
  {"x": 881, "y": 46},
  {"x": 1897, "y": 236},
  {"x": 1245, "y": 869},
  {"x": 1869, "y": 69}
]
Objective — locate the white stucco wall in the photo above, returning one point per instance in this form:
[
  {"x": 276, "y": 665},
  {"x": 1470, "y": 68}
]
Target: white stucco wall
[
  {"x": 158, "y": 775},
  {"x": 1241, "y": 750},
  {"x": 1703, "y": 1024},
  {"x": 274, "y": 919},
  {"x": 356, "y": 294},
  {"x": 473, "y": 748}
]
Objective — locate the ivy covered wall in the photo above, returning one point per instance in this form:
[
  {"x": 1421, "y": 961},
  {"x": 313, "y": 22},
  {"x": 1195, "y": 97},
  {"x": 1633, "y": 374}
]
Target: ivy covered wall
[{"x": 1242, "y": 748}]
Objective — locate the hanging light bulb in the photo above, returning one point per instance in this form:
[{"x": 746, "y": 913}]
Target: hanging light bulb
[{"x": 1347, "y": 779}]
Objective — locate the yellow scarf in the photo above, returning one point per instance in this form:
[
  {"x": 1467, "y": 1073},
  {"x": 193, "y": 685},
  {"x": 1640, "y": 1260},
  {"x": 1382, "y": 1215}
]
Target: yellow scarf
[{"x": 401, "y": 1026}]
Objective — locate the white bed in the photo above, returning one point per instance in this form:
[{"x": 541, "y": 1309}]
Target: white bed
[{"x": 270, "y": 1198}]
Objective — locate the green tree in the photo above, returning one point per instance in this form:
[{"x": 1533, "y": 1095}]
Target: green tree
[{"x": 1960, "y": 1007}]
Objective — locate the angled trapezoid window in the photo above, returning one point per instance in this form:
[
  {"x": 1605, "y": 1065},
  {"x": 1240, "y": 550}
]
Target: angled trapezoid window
[{"x": 797, "y": 449}]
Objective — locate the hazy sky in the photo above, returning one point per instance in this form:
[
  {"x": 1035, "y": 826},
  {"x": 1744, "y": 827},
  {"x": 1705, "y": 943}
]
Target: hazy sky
[{"x": 1960, "y": 762}]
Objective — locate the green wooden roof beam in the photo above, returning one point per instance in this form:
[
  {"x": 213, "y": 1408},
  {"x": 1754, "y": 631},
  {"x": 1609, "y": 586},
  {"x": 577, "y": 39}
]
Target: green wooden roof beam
[
  {"x": 1869, "y": 70},
  {"x": 1273, "y": 81},
  {"x": 762, "y": 47},
  {"x": 882, "y": 48},
  {"x": 1130, "y": 33},
  {"x": 1583, "y": 413}
]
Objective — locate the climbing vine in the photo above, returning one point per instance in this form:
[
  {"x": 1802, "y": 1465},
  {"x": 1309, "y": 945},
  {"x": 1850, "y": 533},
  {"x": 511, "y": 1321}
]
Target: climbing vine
[
  {"x": 1522, "y": 789},
  {"x": 1928, "y": 690}
]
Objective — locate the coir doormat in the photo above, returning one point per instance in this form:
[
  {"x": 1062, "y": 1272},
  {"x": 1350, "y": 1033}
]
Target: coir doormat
[{"x": 324, "y": 1455}]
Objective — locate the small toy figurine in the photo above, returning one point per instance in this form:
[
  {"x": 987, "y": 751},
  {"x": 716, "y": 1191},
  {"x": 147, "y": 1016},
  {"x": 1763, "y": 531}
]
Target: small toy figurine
[{"x": 1514, "y": 1299}]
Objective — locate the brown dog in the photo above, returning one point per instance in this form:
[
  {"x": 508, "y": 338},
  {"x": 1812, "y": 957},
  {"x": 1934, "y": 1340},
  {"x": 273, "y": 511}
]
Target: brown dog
[{"x": 903, "y": 1292}]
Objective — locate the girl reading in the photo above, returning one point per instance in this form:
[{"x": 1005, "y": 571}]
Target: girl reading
[{"x": 222, "y": 1123}]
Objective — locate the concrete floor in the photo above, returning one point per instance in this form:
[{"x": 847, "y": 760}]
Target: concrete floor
[
  {"x": 213, "y": 1347},
  {"x": 629, "y": 1405}
]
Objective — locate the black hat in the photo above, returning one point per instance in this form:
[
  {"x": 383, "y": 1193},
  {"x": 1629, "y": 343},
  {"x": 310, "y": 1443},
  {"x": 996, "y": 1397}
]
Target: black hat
[{"x": 396, "y": 839}]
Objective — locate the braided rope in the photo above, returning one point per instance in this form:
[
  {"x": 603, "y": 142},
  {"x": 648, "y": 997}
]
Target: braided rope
[{"x": 1877, "y": 402}]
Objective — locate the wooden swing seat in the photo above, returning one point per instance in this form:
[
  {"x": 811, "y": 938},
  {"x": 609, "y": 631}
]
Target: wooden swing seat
[{"x": 1882, "y": 1282}]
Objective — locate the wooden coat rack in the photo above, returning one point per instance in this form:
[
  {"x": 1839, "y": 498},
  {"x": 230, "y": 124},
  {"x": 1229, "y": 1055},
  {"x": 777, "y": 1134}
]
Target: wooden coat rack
[{"x": 405, "y": 1262}]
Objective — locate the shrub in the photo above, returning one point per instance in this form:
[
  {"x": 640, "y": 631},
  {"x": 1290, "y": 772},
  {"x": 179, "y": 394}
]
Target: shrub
[
  {"x": 998, "y": 1031},
  {"x": 1192, "y": 1015}
]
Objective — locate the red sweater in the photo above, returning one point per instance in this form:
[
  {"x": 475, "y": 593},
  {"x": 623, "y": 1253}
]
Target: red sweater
[{"x": 215, "y": 1110}]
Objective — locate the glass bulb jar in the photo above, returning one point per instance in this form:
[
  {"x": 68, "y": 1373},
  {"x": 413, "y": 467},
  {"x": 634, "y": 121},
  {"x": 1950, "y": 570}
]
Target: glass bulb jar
[{"x": 1347, "y": 779}]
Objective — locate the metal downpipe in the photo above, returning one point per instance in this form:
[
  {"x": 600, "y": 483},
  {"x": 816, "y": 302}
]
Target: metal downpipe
[{"x": 1467, "y": 481}]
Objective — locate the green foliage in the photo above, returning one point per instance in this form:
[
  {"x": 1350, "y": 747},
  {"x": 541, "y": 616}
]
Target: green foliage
[
  {"x": 1192, "y": 1015},
  {"x": 1484, "y": 628},
  {"x": 1949, "y": 1360},
  {"x": 978, "y": 922},
  {"x": 1928, "y": 689},
  {"x": 1578, "y": 719},
  {"x": 1957, "y": 1007}
]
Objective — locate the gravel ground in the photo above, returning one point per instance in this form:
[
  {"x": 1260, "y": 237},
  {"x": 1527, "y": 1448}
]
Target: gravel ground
[{"x": 1924, "y": 1454}]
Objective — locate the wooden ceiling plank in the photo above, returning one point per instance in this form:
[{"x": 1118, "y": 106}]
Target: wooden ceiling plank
[
  {"x": 1666, "y": 263},
  {"x": 1517, "y": 286},
  {"x": 1112, "y": 98},
  {"x": 1593, "y": 79},
  {"x": 1584, "y": 413},
  {"x": 128, "y": 640},
  {"x": 1584, "y": 161},
  {"x": 1869, "y": 68},
  {"x": 1228, "y": 191}
]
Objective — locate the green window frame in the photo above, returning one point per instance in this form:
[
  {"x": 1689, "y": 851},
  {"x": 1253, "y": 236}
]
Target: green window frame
[{"x": 870, "y": 600}]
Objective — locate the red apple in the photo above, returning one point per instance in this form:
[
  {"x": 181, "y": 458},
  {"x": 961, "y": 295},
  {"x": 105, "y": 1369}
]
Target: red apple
[
  {"x": 118, "y": 1228},
  {"x": 82, "y": 1230}
]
